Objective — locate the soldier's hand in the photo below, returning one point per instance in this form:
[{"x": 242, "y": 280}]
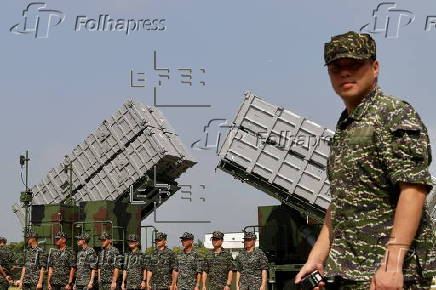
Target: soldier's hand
[
  {"x": 143, "y": 285},
  {"x": 196, "y": 288},
  {"x": 226, "y": 287},
  {"x": 90, "y": 286},
  {"x": 309, "y": 268},
  {"x": 123, "y": 286},
  {"x": 387, "y": 280},
  {"x": 68, "y": 287},
  {"x": 113, "y": 285},
  {"x": 39, "y": 286},
  {"x": 20, "y": 284}
]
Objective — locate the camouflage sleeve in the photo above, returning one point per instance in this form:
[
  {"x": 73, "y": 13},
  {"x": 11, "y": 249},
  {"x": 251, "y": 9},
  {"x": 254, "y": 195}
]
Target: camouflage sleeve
[
  {"x": 93, "y": 260},
  {"x": 118, "y": 259},
  {"x": 72, "y": 259},
  {"x": 263, "y": 261},
  {"x": 50, "y": 258},
  {"x": 199, "y": 263},
  {"x": 404, "y": 147},
  {"x": 174, "y": 262},
  {"x": 205, "y": 265},
  {"x": 238, "y": 264},
  {"x": 230, "y": 263},
  {"x": 144, "y": 262},
  {"x": 43, "y": 261}
]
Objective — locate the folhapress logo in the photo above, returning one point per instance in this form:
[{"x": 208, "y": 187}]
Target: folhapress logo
[{"x": 38, "y": 20}]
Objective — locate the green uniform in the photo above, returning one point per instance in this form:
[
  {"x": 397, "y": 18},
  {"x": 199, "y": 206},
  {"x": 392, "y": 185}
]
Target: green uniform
[
  {"x": 189, "y": 265},
  {"x": 6, "y": 260},
  {"x": 135, "y": 263},
  {"x": 108, "y": 261},
  {"x": 61, "y": 261},
  {"x": 86, "y": 262},
  {"x": 251, "y": 265},
  {"x": 34, "y": 260},
  {"x": 161, "y": 264},
  {"x": 217, "y": 267},
  {"x": 381, "y": 143}
]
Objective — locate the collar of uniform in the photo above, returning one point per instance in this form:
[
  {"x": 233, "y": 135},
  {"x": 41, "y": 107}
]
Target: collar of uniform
[{"x": 361, "y": 108}]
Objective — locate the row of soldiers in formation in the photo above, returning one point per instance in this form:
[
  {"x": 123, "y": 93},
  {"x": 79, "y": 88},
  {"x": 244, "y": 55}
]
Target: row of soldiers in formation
[{"x": 162, "y": 269}]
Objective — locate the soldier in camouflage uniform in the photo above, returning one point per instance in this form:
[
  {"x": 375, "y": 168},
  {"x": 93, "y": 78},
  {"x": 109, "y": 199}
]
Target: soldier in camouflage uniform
[
  {"x": 86, "y": 263},
  {"x": 61, "y": 264},
  {"x": 6, "y": 260},
  {"x": 109, "y": 264},
  {"x": 251, "y": 265},
  {"x": 376, "y": 231},
  {"x": 135, "y": 266},
  {"x": 162, "y": 265},
  {"x": 217, "y": 265},
  {"x": 35, "y": 262},
  {"x": 189, "y": 265}
]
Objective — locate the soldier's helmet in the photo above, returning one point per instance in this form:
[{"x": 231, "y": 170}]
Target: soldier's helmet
[
  {"x": 84, "y": 237},
  {"x": 31, "y": 234},
  {"x": 160, "y": 236},
  {"x": 217, "y": 235},
  {"x": 132, "y": 238},
  {"x": 60, "y": 235},
  {"x": 350, "y": 45},
  {"x": 3, "y": 240},
  {"x": 187, "y": 236},
  {"x": 250, "y": 236},
  {"x": 105, "y": 236}
]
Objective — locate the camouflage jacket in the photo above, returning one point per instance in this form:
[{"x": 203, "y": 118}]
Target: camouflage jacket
[
  {"x": 135, "y": 263},
  {"x": 381, "y": 143},
  {"x": 250, "y": 265},
  {"x": 34, "y": 260},
  {"x": 217, "y": 266},
  {"x": 189, "y": 265},
  {"x": 86, "y": 262},
  {"x": 108, "y": 261},
  {"x": 61, "y": 261},
  {"x": 6, "y": 258},
  {"x": 161, "y": 264}
]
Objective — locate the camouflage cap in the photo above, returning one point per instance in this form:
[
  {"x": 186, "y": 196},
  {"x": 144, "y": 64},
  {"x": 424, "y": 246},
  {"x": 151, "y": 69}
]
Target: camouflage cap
[
  {"x": 84, "y": 237},
  {"x": 31, "y": 234},
  {"x": 60, "y": 235},
  {"x": 160, "y": 236},
  {"x": 250, "y": 236},
  {"x": 187, "y": 236},
  {"x": 105, "y": 236},
  {"x": 3, "y": 240},
  {"x": 217, "y": 235},
  {"x": 133, "y": 238},
  {"x": 351, "y": 45}
]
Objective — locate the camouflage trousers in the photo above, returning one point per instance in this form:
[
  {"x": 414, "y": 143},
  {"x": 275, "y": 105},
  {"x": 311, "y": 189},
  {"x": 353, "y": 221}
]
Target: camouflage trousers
[
  {"x": 107, "y": 286},
  {"x": 252, "y": 285},
  {"x": 344, "y": 284},
  {"x": 4, "y": 285},
  {"x": 29, "y": 286},
  {"x": 57, "y": 287}
]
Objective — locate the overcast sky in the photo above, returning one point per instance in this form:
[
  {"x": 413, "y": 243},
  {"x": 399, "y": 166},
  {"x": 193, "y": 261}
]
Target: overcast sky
[{"x": 56, "y": 90}]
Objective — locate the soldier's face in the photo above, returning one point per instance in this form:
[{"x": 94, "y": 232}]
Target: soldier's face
[
  {"x": 187, "y": 243},
  {"x": 133, "y": 245},
  {"x": 30, "y": 241},
  {"x": 105, "y": 243},
  {"x": 217, "y": 243},
  {"x": 352, "y": 78},
  {"x": 80, "y": 243},
  {"x": 60, "y": 242},
  {"x": 160, "y": 243},
  {"x": 248, "y": 243}
]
